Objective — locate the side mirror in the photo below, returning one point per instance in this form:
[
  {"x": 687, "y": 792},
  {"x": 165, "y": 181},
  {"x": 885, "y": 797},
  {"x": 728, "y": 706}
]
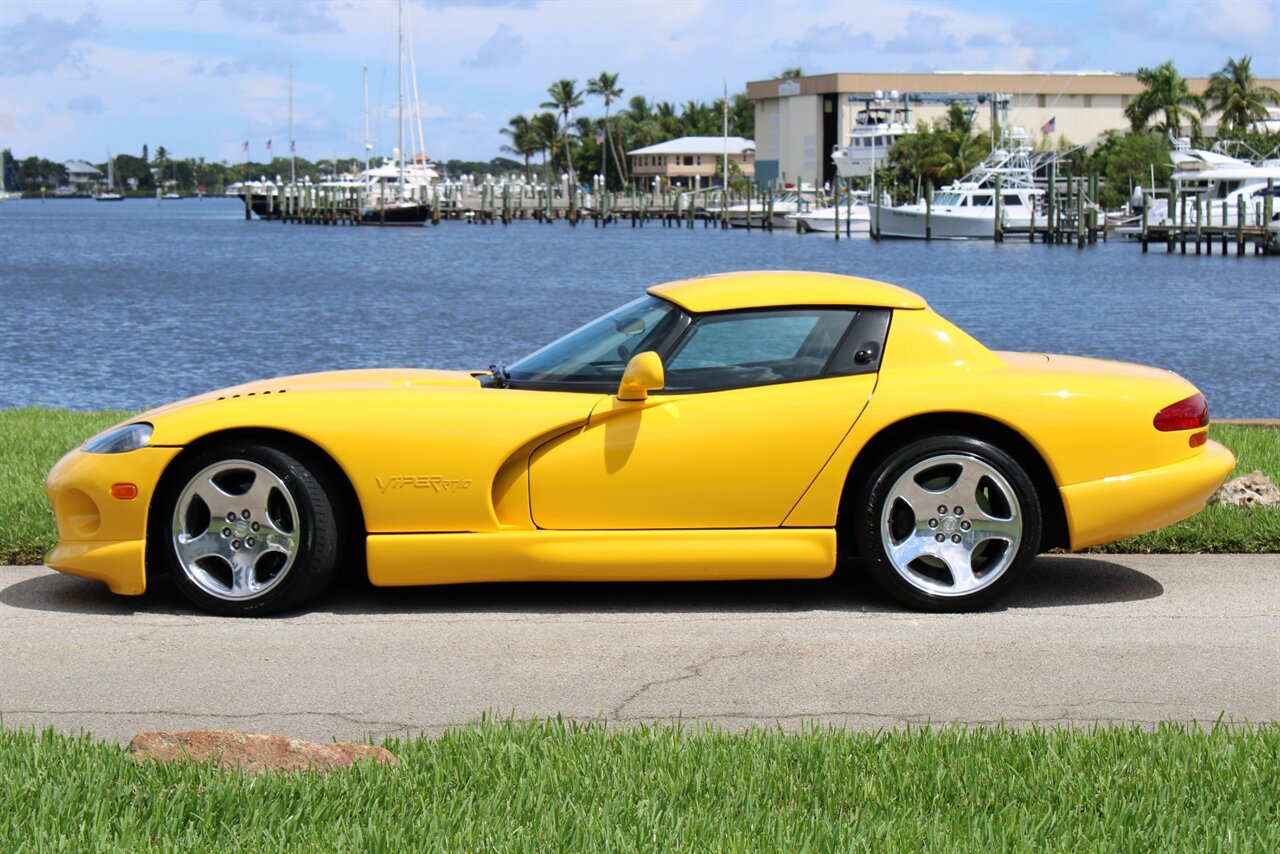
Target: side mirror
[{"x": 643, "y": 375}]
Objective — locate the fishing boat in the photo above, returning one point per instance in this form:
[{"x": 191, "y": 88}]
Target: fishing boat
[{"x": 967, "y": 209}]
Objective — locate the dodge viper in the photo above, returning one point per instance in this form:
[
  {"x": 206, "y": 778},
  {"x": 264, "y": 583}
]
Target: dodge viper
[{"x": 737, "y": 426}]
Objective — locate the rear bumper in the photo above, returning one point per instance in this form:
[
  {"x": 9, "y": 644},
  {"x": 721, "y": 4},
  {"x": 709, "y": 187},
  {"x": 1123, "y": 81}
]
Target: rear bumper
[{"x": 1101, "y": 511}]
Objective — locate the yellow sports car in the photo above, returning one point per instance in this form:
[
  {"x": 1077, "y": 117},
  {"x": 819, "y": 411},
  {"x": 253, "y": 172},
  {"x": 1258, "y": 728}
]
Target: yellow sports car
[{"x": 745, "y": 425}]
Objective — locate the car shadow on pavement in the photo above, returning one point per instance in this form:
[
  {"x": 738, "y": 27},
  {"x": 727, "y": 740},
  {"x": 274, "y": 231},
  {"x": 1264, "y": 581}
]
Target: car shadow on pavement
[{"x": 1051, "y": 581}]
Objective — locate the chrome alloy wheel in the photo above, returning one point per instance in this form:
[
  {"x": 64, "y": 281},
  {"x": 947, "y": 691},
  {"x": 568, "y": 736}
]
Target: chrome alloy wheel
[
  {"x": 235, "y": 530},
  {"x": 951, "y": 525}
]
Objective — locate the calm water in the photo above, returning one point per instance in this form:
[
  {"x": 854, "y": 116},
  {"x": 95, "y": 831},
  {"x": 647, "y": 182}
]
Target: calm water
[{"x": 132, "y": 304}]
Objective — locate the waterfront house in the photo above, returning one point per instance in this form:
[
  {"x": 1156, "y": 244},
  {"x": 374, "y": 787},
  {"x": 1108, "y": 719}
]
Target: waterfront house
[
  {"x": 82, "y": 178},
  {"x": 692, "y": 161}
]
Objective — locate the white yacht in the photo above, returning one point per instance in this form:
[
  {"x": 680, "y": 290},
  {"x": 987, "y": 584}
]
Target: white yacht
[
  {"x": 966, "y": 209},
  {"x": 1214, "y": 184},
  {"x": 875, "y": 129},
  {"x": 854, "y": 216}
]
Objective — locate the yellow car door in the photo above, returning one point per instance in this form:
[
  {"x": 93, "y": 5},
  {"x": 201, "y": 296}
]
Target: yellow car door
[{"x": 754, "y": 404}]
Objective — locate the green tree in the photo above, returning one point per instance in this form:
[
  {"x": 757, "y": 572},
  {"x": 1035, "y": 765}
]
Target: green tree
[
  {"x": 546, "y": 131},
  {"x": 790, "y": 74},
  {"x": 566, "y": 98},
  {"x": 1128, "y": 160},
  {"x": 36, "y": 173},
  {"x": 1166, "y": 92},
  {"x": 524, "y": 140},
  {"x": 1235, "y": 92},
  {"x": 606, "y": 86}
]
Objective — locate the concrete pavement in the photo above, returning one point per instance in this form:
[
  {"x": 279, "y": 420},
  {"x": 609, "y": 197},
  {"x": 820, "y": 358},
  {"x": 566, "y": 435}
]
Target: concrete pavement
[{"x": 1083, "y": 639}]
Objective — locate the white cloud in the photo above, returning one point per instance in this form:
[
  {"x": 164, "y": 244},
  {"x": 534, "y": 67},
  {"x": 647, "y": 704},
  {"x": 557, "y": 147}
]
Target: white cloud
[{"x": 503, "y": 48}]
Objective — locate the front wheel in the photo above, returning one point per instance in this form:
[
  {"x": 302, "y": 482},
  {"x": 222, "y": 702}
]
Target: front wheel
[
  {"x": 247, "y": 529},
  {"x": 947, "y": 523}
]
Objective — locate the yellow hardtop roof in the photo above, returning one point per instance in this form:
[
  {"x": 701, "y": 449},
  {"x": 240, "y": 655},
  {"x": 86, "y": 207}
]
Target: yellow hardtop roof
[{"x": 769, "y": 288}]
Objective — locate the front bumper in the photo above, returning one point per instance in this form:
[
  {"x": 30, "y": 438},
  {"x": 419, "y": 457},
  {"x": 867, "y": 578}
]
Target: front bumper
[
  {"x": 99, "y": 536},
  {"x": 1102, "y": 511}
]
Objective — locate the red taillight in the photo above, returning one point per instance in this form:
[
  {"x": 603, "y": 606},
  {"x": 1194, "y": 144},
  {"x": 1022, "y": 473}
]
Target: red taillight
[{"x": 1184, "y": 415}]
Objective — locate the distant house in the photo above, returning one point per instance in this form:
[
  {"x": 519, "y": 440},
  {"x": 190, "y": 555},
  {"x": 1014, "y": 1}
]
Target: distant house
[
  {"x": 692, "y": 161},
  {"x": 82, "y": 178}
]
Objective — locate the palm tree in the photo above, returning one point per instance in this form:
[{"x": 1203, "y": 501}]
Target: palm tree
[
  {"x": 1167, "y": 92},
  {"x": 546, "y": 136},
  {"x": 524, "y": 140},
  {"x": 1235, "y": 92},
  {"x": 606, "y": 86},
  {"x": 565, "y": 97}
]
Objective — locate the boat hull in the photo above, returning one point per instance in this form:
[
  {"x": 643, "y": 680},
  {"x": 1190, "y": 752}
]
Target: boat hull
[
  {"x": 824, "y": 222},
  {"x": 407, "y": 214},
  {"x": 909, "y": 223}
]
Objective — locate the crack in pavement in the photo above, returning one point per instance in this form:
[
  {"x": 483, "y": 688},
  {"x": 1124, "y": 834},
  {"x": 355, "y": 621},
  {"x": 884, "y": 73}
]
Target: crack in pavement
[{"x": 692, "y": 671}]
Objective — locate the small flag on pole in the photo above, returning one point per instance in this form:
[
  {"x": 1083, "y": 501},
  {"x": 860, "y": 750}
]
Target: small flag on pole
[
  {"x": 268, "y": 145},
  {"x": 293, "y": 145},
  {"x": 246, "y": 146},
  {"x": 1049, "y": 125}
]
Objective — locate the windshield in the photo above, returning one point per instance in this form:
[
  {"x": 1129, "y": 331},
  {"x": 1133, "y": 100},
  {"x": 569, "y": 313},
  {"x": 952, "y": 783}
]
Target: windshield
[{"x": 601, "y": 349}]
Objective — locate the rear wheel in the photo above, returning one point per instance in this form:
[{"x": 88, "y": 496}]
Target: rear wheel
[
  {"x": 247, "y": 529},
  {"x": 947, "y": 523}
]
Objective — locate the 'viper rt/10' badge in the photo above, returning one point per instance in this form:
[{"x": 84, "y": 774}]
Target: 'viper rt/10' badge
[{"x": 434, "y": 482}]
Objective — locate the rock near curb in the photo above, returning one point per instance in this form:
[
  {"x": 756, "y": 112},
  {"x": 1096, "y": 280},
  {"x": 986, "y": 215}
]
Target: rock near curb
[
  {"x": 252, "y": 752},
  {"x": 1249, "y": 490}
]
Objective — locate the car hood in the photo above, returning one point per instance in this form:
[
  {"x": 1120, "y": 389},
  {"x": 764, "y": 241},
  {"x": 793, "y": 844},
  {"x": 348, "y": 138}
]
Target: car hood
[{"x": 333, "y": 381}]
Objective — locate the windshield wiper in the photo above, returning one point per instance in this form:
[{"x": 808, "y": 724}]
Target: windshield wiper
[{"x": 501, "y": 376}]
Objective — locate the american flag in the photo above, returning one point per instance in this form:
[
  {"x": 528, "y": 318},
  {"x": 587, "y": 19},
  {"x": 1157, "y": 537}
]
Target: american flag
[
  {"x": 268, "y": 145},
  {"x": 293, "y": 145},
  {"x": 246, "y": 146},
  {"x": 1049, "y": 125}
]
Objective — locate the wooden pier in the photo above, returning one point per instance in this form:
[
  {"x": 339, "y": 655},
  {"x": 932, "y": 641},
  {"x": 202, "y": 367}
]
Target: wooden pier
[{"x": 1070, "y": 213}]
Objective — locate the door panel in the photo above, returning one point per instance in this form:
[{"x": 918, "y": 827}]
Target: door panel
[{"x": 739, "y": 458}]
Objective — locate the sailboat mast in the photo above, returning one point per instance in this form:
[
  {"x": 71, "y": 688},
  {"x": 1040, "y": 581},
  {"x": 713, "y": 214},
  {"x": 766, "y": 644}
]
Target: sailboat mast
[
  {"x": 400, "y": 88},
  {"x": 293, "y": 172},
  {"x": 724, "y": 182},
  {"x": 367, "y": 147}
]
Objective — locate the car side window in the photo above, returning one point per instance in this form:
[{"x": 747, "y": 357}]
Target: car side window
[{"x": 738, "y": 349}]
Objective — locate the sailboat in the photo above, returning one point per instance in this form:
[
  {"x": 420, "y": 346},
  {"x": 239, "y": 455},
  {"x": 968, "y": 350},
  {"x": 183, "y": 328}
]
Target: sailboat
[
  {"x": 388, "y": 196},
  {"x": 108, "y": 192},
  {"x": 5, "y": 193}
]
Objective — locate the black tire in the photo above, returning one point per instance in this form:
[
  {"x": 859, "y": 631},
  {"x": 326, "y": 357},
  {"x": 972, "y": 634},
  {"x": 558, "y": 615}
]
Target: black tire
[
  {"x": 246, "y": 529},
  {"x": 958, "y": 560}
]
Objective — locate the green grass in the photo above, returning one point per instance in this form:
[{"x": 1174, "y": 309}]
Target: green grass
[
  {"x": 552, "y": 786},
  {"x": 32, "y": 440}
]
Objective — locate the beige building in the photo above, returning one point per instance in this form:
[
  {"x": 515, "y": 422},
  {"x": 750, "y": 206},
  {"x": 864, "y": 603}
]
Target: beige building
[
  {"x": 692, "y": 160},
  {"x": 799, "y": 121}
]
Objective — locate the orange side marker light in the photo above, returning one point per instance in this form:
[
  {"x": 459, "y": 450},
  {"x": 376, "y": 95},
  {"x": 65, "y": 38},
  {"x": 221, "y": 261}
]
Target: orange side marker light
[{"x": 124, "y": 491}]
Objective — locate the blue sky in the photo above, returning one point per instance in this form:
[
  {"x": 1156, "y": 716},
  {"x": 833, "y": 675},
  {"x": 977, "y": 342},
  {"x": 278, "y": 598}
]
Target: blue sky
[{"x": 202, "y": 76}]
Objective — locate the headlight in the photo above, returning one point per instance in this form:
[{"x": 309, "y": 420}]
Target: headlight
[{"x": 131, "y": 437}]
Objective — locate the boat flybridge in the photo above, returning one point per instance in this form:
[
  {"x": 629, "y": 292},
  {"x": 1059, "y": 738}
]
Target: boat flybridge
[
  {"x": 876, "y": 128},
  {"x": 966, "y": 209}
]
